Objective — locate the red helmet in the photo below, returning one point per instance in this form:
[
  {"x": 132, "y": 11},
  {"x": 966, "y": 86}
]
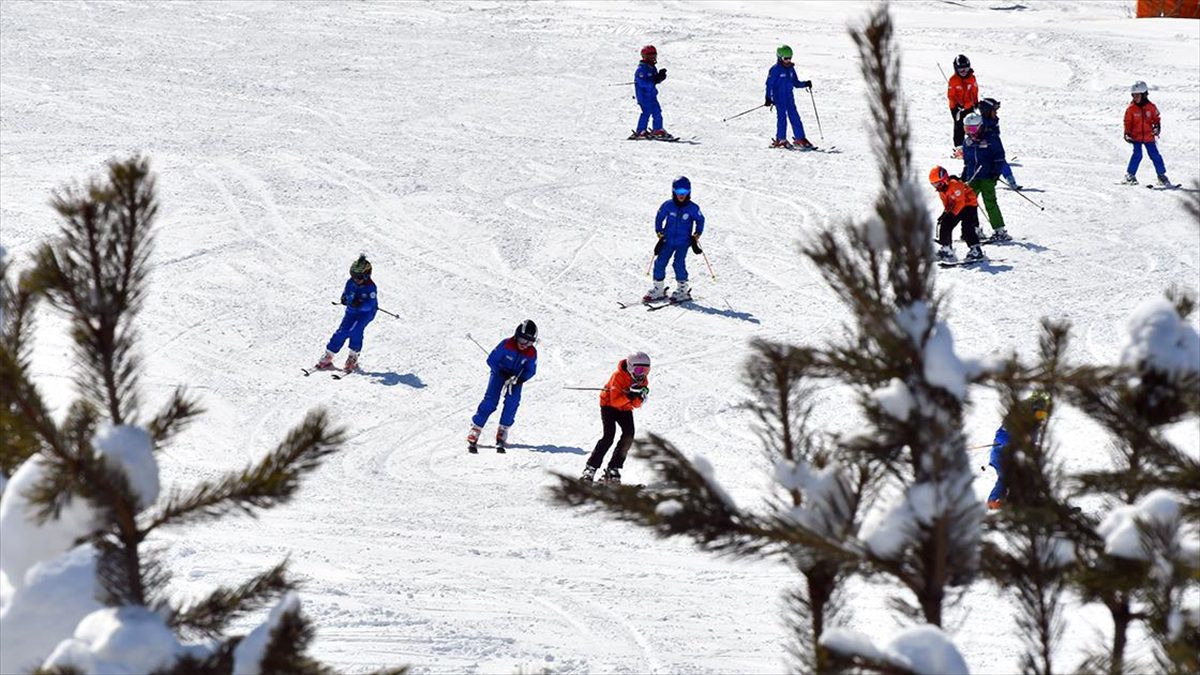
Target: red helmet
[
  {"x": 649, "y": 51},
  {"x": 938, "y": 176}
]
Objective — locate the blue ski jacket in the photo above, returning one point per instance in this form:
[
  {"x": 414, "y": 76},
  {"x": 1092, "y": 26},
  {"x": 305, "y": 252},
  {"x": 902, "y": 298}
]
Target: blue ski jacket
[
  {"x": 508, "y": 359},
  {"x": 675, "y": 222},
  {"x": 983, "y": 157},
  {"x": 644, "y": 85},
  {"x": 781, "y": 81},
  {"x": 360, "y": 301}
]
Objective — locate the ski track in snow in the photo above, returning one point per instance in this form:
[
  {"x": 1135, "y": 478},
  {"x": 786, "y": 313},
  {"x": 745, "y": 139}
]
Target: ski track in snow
[{"x": 468, "y": 149}]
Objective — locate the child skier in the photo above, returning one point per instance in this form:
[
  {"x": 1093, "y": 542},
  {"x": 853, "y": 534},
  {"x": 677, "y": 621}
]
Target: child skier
[
  {"x": 963, "y": 94},
  {"x": 626, "y": 390},
  {"x": 513, "y": 363},
  {"x": 645, "y": 85},
  {"x": 781, "y": 81},
  {"x": 961, "y": 206},
  {"x": 1039, "y": 405},
  {"x": 361, "y": 301},
  {"x": 1142, "y": 126},
  {"x": 983, "y": 162},
  {"x": 674, "y": 226}
]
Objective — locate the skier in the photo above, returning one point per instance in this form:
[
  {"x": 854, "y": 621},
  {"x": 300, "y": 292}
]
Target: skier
[
  {"x": 679, "y": 224},
  {"x": 645, "y": 86},
  {"x": 627, "y": 389},
  {"x": 781, "y": 81},
  {"x": 513, "y": 363},
  {"x": 961, "y": 206},
  {"x": 361, "y": 301},
  {"x": 1038, "y": 404},
  {"x": 983, "y": 162},
  {"x": 963, "y": 94},
  {"x": 1142, "y": 127}
]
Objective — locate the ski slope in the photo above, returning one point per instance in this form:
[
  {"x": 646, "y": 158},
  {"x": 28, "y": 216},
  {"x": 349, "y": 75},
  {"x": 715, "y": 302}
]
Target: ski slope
[{"x": 473, "y": 152}]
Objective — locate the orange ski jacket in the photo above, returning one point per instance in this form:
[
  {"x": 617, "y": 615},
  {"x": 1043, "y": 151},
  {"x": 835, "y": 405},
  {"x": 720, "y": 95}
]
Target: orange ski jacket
[
  {"x": 957, "y": 196},
  {"x": 1142, "y": 122},
  {"x": 616, "y": 393},
  {"x": 962, "y": 91}
]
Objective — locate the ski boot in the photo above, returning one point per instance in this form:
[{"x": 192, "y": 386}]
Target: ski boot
[
  {"x": 1164, "y": 181},
  {"x": 780, "y": 143},
  {"x": 1013, "y": 184},
  {"x": 1130, "y": 179},
  {"x": 662, "y": 135},
  {"x": 994, "y": 504},
  {"x": 639, "y": 136},
  {"x": 501, "y": 439},
  {"x": 473, "y": 439},
  {"x": 659, "y": 292},
  {"x": 326, "y": 361},
  {"x": 351, "y": 362},
  {"x": 1000, "y": 235},
  {"x": 611, "y": 477},
  {"x": 589, "y": 474},
  {"x": 975, "y": 254},
  {"x": 803, "y": 144},
  {"x": 682, "y": 293},
  {"x": 946, "y": 254}
]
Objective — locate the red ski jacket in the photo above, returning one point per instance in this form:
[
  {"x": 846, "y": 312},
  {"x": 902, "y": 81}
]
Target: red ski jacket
[
  {"x": 1142, "y": 122},
  {"x": 962, "y": 91}
]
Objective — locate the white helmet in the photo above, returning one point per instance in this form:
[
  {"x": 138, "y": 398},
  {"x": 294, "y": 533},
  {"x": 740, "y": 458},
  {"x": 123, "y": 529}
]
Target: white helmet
[
  {"x": 1139, "y": 87},
  {"x": 637, "y": 359},
  {"x": 973, "y": 120}
]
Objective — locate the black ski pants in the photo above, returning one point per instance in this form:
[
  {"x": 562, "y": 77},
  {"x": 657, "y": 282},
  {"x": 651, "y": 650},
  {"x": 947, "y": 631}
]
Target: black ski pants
[
  {"x": 958, "y": 116},
  {"x": 611, "y": 417},
  {"x": 969, "y": 217}
]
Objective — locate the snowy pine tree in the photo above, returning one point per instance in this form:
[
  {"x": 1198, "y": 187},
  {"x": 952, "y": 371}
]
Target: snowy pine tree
[{"x": 78, "y": 515}]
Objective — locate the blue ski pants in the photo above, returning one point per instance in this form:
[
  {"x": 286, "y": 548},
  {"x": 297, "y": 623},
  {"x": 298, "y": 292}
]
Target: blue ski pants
[
  {"x": 783, "y": 113},
  {"x": 660, "y": 263},
  {"x": 999, "y": 490},
  {"x": 1006, "y": 172},
  {"x": 650, "y": 109},
  {"x": 491, "y": 399},
  {"x": 352, "y": 327},
  {"x": 1136, "y": 159}
]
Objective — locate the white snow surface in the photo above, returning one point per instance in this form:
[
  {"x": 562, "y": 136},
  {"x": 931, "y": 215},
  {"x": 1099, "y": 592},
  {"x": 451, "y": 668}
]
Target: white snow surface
[
  {"x": 923, "y": 649},
  {"x": 130, "y": 448},
  {"x": 248, "y": 655},
  {"x": 118, "y": 641},
  {"x": 472, "y": 152},
  {"x": 1158, "y": 338}
]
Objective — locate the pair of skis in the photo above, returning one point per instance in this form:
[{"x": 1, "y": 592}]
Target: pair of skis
[
  {"x": 656, "y": 304},
  {"x": 336, "y": 373}
]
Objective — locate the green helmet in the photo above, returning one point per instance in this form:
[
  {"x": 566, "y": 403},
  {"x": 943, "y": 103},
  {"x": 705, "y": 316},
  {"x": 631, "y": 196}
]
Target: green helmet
[
  {"x": 361, "y": 267},
  {"x": 784, "y": 52},
  {"x": 1039, "y": 400}
]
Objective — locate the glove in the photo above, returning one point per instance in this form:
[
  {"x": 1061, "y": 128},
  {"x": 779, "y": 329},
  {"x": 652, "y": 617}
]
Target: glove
[
  {"x": 696, "y": 245},
  {"x": 806, "y": 84},
  {"x": 638, "y": 393},
  {"x": 769, "y": 103},
  {"x": 662, "y": 75},
  {"x": 1128, "y": 138},
  {"x": 658, "y": 247},
  {"x": 957, "y": 112},
  {"x": 1156, "y": 129},
  {"x": 509, "y": 384}
]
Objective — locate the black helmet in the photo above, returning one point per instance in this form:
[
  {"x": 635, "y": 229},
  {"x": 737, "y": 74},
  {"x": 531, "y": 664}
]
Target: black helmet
[
  {"x": 961, "y": 61},
  {"x": 988, "y": 106},
  {"x": 526, "y": 330}
]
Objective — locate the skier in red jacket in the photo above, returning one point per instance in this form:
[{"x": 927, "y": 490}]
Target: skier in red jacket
[{"x": 1142, "y": 126}]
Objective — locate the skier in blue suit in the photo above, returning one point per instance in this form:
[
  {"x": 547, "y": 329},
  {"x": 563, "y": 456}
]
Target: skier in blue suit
[
  {"x": 513, "y": 363},
  {"x": 1038, "y": 404},
  {"x": 781, "y": 81},
  {"x": 679, "y": 224},
  {"x": 645, "y": 85},
  {"x": 361, "y": 301}
]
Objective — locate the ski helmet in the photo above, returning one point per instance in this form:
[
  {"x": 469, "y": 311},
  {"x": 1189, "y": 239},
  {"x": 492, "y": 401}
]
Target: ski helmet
[
  {"x": 361, "y": 268},
  {"x": 649, "y": 51},
  {"x": 526, "y": 331},
  {"x": 938, "y": 176},
  {"x": 681, "y": 186},
  {"x": 784, "y": 52},
  {"x": 1039, "y": 402},
  {"x": 638, "y": 364},
  {"x": 988, "y": 106},
  {"x": 1139, "y": 87},
  {"x": 972, "y": 122},
  {"x": 961, "y": 61}
]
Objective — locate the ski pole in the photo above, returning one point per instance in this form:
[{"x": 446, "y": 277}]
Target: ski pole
[
  {"x": 587, "y": 388},
  {"x": 378, "y": 308},
  {"x": 943, "y": 73},
  {"x": 1022, "y": 196},
  {"x": 618, "y": 84},
  {"x": 745, "y": 112},
  {"x": 477, "y": 343},
  {"x": 650, "y": 264},
  {"x": 710, "y": 269},
  {"x": 815, "y": 114}
]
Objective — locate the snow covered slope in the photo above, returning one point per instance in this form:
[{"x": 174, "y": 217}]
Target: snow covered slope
[{"x": 474, "y": 153}]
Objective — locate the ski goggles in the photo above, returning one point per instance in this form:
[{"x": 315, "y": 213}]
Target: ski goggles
[
  {"x": 641, "y": 372},
  {"x": 523, "y": 343},
  {"x": 683, "y": 191},
  {"x": 360, "y": 276}
]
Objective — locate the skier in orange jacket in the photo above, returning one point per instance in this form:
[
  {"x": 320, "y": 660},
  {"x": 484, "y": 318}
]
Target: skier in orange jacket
[
  {"x": 1142, "y": 126},
  {"x": 963, "y": 94},
  {"x": 961, "y": 206},
  {"x": 626, "y": 390}
]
